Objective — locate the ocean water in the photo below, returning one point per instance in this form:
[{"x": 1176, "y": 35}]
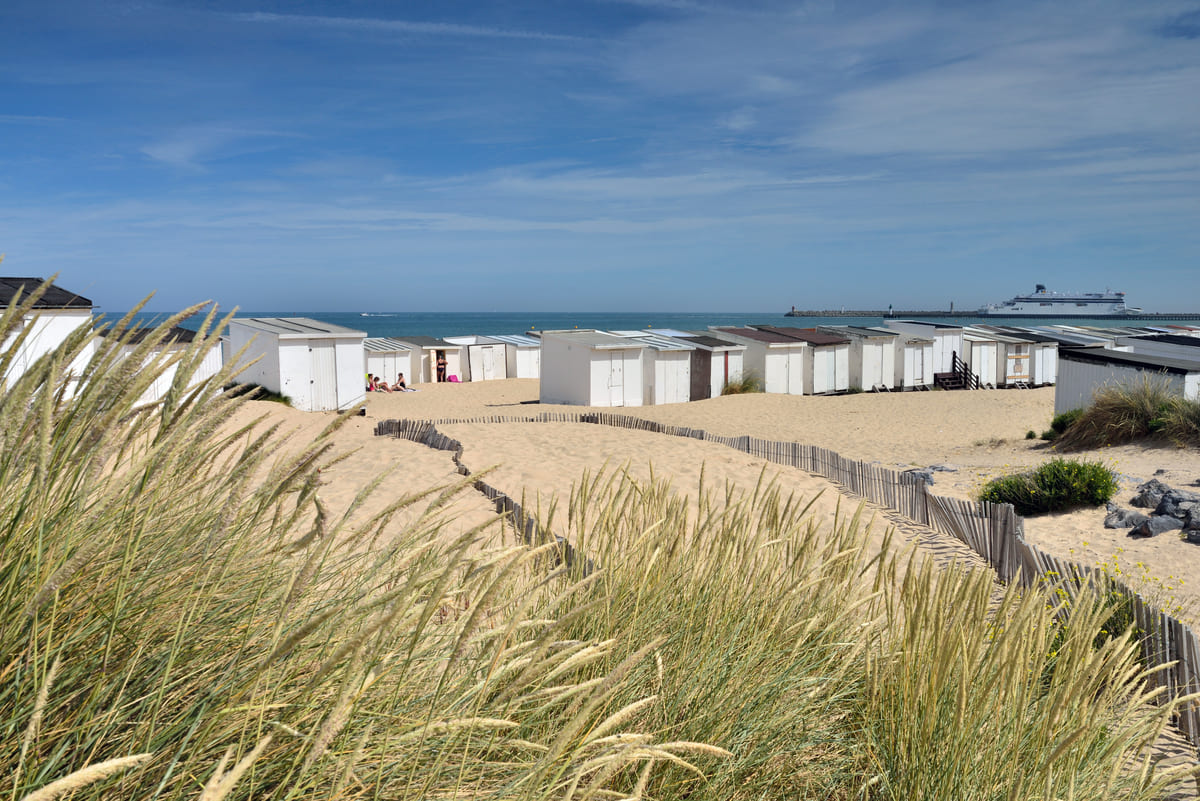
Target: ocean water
[{"x": 442, "y": 324}]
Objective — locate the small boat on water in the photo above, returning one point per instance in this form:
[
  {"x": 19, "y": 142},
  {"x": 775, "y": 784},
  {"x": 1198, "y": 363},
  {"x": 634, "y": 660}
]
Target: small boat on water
[{"x": 1044, "y": 303}]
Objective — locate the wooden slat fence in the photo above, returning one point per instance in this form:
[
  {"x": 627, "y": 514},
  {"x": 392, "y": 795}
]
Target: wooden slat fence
[{"x": 994, "y": 531}]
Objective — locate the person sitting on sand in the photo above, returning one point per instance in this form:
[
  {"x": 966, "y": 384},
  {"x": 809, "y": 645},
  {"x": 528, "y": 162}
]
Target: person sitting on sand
[
  {"x": 400, "y": 386},
  {"x": 379, "y": 385}
]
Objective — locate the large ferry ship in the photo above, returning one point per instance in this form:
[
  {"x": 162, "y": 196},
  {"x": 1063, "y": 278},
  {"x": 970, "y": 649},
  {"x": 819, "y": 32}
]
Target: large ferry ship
[{"x": 1044, "y": 303}]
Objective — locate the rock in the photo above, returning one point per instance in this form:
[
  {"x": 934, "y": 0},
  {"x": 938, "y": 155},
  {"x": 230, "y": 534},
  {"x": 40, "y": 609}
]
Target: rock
[
  {"x": 1192, "y": 535},
  {"x": 1123, "y": 518},
  {"x": 923, "y": 473},
  {"x": 1149, "y": 494},
  {"x": 944, "y": 468},
  {"x": 1156, "y": 525},
  {"x": 1160, "y": 472},
  {"x": 1176, "y": 503}
]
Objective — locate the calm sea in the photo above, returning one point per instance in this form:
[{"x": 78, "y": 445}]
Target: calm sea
[{"x": 401, "y": 324}]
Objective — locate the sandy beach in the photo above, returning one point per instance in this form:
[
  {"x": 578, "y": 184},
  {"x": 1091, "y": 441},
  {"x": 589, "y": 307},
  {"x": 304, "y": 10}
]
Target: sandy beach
[{"x": 974, "y": 436}]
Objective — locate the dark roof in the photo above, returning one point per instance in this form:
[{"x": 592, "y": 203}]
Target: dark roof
[
  {"x": 769, "y": 337},
  {"x": 950, "y": 326},
  {"x": 810, "y": 335},
  {"x": 709, "y": 341},
  {"x": 1023, "y": 333},
  {"x": 139, "y": 335},
  {"x": 1174, "y": 339},
  {"x": 859, "y": 331},
  {"x": 1156, "y": 363},
  {"x": 429, "y": 342},
  {"x": 55, "y": 298}
]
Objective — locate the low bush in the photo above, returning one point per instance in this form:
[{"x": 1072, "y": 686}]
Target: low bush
[
  {"x": 748, "y": 382},
  {"x": 1056, "y": 486}
]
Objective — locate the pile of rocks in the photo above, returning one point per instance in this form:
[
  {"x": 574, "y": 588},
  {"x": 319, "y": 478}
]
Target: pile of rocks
[{"x": 1174, "y": 510}]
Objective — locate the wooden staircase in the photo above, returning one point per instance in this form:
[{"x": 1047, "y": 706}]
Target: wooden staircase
[{"x": 959, "y": 377}]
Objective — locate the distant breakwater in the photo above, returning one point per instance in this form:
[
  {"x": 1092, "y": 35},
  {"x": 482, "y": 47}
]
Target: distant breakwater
[{"x": 976, "y": 315}]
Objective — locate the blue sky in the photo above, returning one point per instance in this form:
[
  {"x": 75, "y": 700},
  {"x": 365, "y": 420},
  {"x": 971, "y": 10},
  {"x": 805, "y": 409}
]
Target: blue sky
[{"x": 593, "y": 155}]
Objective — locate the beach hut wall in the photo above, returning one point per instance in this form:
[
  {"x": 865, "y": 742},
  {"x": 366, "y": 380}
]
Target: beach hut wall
[
  {"x": 428, "y": 349},
  {"x": 590, "y": 368},
  {"x": 56, "y": 315},
  {"x": 715, "y": 361},
  {"x": 484, "y": 359},
  {"x": 872, "y": 356},
  {"x": 947, "y": 340},
  {"x": 522, "y": 354},
  {"x": 777, "y": 359},
  {"x": 666, "y": 367},
  {"x": 1082, "y": 371},
  {"x": 176, "y": 339},
  {"x": 318, "y": 366},
  {"x": 389, "y": 358}
]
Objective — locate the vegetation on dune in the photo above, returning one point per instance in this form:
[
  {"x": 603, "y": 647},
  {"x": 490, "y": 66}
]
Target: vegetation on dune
[
  {"x": 184, "y": 618},
  {"x": 1128, "y": 412},
  {"x": 749, "y": 381},
  {"x": 1058, "y": 485}
]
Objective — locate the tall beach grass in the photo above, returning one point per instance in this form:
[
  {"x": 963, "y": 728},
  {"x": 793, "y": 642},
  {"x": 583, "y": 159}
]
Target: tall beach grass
[{"x": 184, "y": 617}]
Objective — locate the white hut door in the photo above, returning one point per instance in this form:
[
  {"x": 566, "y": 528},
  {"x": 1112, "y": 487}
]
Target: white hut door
[
  {"x": 616, "y": 379},
  {"x": 917, "y": 374},
  {"x": 831, "y": 371},
  {"x": 323, "y": 380}
]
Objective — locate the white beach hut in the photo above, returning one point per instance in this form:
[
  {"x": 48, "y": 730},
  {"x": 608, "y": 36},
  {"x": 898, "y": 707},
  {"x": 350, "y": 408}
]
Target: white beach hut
[
  {"x": 872, "y": 356},
  {"x": 913, "y": 360},
  {"x": 318, "y": 366},
  {"x": 1043, "y": 353},
  {"x": 1082, "y": 371},
  {"x": 585, "y": 367},
  {"x": 980, "y": 351},
  {"x": 947, "y": 340},
  {"x": 485, "y": 359},
  {"x": 776, "y": 358},
  {"x": 666, "y": 368},
  {"x": 522, "y": 354},
  {"x": 715, "y": 361},
  {"x": 428, "y": 350},
  {"x": 826, "y": 362},
  {"x": 55, "y": 316},
  {"x": 175, "y": 340},
  {"x": 389, "y": 358}
]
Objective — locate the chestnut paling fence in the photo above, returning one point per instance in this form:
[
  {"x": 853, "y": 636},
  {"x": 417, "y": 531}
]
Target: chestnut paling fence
[{"x": 994, "y": 531}]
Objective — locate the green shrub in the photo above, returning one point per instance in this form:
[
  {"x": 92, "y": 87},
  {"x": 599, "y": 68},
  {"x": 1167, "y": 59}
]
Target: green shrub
[
  {"x": 1056, "y": 486},
  {"x": 1031, "y": 434},
  {"x": 1061, "y": 423},
  {"x": 747, "y": 383}
]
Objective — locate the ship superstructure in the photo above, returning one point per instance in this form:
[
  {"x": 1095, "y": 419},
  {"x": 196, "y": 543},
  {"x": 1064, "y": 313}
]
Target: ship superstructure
[{"x": 1044, "y": 303}]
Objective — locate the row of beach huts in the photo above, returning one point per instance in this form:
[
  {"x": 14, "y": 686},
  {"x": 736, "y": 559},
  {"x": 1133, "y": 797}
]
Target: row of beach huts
[{"x": 324, "y": 367}]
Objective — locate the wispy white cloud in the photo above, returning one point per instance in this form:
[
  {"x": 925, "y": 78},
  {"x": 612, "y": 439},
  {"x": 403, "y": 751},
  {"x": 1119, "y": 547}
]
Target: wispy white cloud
[
  {"x": 399, "y": 26},
  {"x": 29, "y": 119},
  {"x": 192, "y": 146}
]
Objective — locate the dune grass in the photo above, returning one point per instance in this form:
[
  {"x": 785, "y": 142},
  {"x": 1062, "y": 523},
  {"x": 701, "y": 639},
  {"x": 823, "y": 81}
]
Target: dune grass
[
  {"x": 183, "y": 617},
  {"x": 1128, "y": 412},
  {"x": 749, "y": 381}
]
